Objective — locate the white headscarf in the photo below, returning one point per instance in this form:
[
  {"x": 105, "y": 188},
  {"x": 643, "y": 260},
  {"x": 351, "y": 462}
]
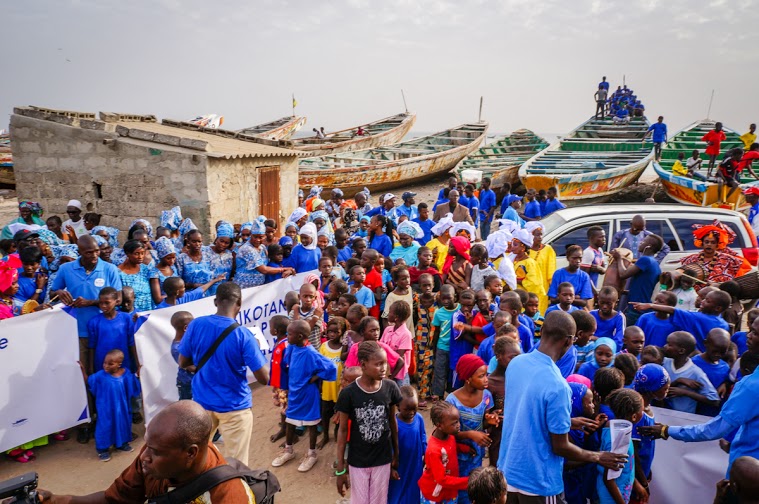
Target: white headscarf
[
  {"x": 497, "y": 243},
  {"x": 509, "y": 225},
  {"x": 466, "y": 227},
  {"x": 443, "y": 225},
  {"x": 297, "y": 215},
  {"x": 309, "y": 229},
  {"x": 531, "y": 226},
  {"x": 410, "y": 228},
  {"x": 524, "y": 236},
  {"x": 506, "y": 272}
]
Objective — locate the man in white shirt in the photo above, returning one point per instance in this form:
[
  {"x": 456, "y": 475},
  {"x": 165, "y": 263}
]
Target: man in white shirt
[{"x": 75, "y": 220}]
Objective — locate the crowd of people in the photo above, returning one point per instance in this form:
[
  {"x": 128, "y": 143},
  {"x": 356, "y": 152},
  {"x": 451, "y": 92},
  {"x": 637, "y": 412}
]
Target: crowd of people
[
  {"x": 456, "y": 307},
  {"x": 620, "y": 105}
]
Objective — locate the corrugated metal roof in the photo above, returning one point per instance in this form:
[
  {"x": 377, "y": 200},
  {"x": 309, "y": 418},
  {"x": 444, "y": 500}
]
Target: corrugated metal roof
[{"x": 215, "y": 145}]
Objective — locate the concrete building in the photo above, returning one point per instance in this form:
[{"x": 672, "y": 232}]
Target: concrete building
[{"x": 128, "y": 166}]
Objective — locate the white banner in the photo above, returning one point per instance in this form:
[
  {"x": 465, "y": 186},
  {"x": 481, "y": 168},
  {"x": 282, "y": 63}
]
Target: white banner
[
  {"x": 41, "y": 384},
  {"x": 685, "y": 472},
  {"x": 154, "y": 336}
]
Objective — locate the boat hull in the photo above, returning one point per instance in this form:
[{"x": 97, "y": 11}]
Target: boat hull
[
  {"x": 694, "y": 192},
  {"x": 381, "y": 139},
  {"x": 389, "y": 174},
  {"x": 508, "y": 175},
  {"x": 286, "y": 131}
]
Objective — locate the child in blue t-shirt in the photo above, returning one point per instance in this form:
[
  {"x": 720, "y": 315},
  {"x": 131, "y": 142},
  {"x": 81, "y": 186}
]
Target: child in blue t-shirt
[
  {"x": 572, "y": 274},
  {"x": 690, "y": 385},
  {"x": 633, "y": 342},
  {"x": 566, "y": 296},
  {"x": 609, "y": 322},
  {"x": 627, "y": 405},
  {"x": 364, "y": 295},
  {"x": 657, "y": 325},
  {"x": 32, "y": 282},
  {"x": 276, "y": 255},
  {"x": 585, "y": 344},
  {"x": 179, "y": 321},
  {"x": 442, "y": 323},
  {"x": 305, "y": 366},
  {"x": 652, "y": 383},
  {"x": 174, "y": 288},
  {"x": 712, "y": 363},
  {"x": 603, "y": 356},
  {"x": 739, "y": 338},
  {"x": 110, "y": 330}
]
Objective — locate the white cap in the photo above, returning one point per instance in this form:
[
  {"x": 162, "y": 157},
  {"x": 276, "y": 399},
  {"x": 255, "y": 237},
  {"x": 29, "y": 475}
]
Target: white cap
[
  {"x": 387, "y": 197},
  {"x": 74, "y": 203}
]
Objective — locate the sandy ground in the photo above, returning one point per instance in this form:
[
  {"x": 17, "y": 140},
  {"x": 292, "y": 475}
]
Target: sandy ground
[{"x": 69, "y": 467}]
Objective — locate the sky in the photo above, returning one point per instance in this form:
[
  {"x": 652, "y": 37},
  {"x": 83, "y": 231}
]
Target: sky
[{"x": 536, "y": 63}]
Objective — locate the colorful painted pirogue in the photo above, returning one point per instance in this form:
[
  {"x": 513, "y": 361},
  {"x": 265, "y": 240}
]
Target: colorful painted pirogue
[
  {"x": 6, "y": 161},
  {"x": 593, "y": 162},
  {"x": 281, "y": 129},
  {"x": 386, "y": 131},
  {"x": 501, "y": 159},
  {"x": 395, "y": 165},
  {"x": 691, "y": 191}
]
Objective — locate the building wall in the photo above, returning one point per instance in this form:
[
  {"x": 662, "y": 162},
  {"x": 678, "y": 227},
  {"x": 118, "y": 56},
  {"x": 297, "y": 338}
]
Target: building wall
[
  {"x": 233, "y": 188},
  {"x": 56, "y": 162}
]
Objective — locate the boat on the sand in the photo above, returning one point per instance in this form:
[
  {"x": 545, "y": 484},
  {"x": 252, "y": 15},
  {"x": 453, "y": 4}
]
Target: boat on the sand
[
  {"x": 386, "y": 131},
  {"x": 6, "y": 161},
  {"x": 592, "y": 163},
  {"x": 394, "y": 165},
  {"x": 690, "y": 191},
  {"x": 281, "y": 129},
  {"x": 500, "y": 160}
]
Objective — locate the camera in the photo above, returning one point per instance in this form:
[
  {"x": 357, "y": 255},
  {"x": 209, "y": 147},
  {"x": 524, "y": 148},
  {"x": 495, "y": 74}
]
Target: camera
[{"x": 21, "y": 489}]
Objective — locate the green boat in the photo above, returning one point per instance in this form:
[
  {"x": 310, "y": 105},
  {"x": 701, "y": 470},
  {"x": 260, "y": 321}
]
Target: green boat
[
  {"x": 501, "y": 159},
  {"x": 692, "y": 191}
]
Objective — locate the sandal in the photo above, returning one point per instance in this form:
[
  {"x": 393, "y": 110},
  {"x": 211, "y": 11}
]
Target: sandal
[
  {"x": 422, "y": 404},
  {"x": 61, "y": 436}
]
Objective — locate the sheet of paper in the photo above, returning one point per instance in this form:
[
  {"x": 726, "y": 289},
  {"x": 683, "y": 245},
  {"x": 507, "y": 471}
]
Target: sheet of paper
[{"x": 621, "y": 433}]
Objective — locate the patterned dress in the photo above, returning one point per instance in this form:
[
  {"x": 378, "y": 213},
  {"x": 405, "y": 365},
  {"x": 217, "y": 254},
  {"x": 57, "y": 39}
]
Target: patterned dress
[
  {"x": 472, "y": 419},
  {"x": 221, "y": 264},
  {"x": 424, "y": 356},
  {"x": 140, "y": 282},
  {"x": 156, "y": 273},
  {"x": 723, "y": 267},
  {"x": 197, "y": 273},
  {"x": 248, "y": 259}
]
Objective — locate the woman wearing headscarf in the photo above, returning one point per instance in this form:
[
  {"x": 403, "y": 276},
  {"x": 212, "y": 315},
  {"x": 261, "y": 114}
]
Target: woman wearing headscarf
[
  {"x": 9, "y": 287},
  {"x": 221, "y": 255},
  {"x": 720, "y": 263},
  {"x": 529, "y": 276},
  {"x": 439, "y": 244},
  {"x": 498, "y": 245},
  {"x": 580, "y": 479},
  {"x": 194, "y": 264},
  {"x": 408, "y": 232},
  {"x": 544, "y": 256},
  {"x": 136, "y": 274},
  {"x": 323, "y": 225},
  {"x": 457, "y": 270},
  {"x": 348, "y": 220},
  {"x": 305, "y": 256},
  {"x": 464, "y": 229},
  {"x": 165, "y": 267},
  {"x": 184, "y": 228},
  {"x": 252, "y": 259},
  {"x": 29, "y": 213},
  {"x": 109, "y": 233},
  {"x": 171, "y": 220},
  {"x": 144, "y": 224}
]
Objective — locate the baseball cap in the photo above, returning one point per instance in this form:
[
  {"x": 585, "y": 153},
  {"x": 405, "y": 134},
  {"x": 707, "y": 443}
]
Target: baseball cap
[{"x": 407, "y": 195}]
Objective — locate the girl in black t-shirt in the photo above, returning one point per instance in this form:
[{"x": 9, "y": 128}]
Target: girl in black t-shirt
[{"x": 369, "y": 405}]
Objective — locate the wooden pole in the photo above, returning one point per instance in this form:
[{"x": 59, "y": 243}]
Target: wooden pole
[
  {"x": 479, "y": 119},
  {"x": 404, "y": 101},
  {"x": 709, "y": 110}
]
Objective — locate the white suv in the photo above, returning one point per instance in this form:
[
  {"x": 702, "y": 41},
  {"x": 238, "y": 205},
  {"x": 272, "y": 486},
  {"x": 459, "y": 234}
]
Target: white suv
[{"x": 670, "y": 221}]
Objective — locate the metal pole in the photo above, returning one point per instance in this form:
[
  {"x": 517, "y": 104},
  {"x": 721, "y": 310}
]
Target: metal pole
[
  {"x": 404, "y": 101},
  {"x": 709, "y": 110},
  {"x": 479, "y": 119},
  {"x": 293, "y": 104}
]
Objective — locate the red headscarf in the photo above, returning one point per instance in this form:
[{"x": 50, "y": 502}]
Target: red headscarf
[
  {"x": 725, "y": 236},
  {"x": 468, "y": 365},
  {"x": 461, "y": 245},
  {"x": 9, "y": 271}
]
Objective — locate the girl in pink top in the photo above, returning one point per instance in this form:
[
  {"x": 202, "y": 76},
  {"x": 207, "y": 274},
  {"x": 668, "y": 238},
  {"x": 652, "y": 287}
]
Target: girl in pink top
[
  {"x": 398, "y": 337},
  {"x": 369, "y": 330}
]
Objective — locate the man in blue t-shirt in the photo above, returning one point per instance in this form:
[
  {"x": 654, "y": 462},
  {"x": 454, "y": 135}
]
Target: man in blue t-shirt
[
  {"x": 532, "y": 210},
  {"x": 221, "y": 385},
  {"x": 535, "y": 439},
  {"x": 552, "y": 202},
  {"x": 659, "y": 136},
  {"x": 643, "y": 275},
  {"x": 487, "y": 207}
]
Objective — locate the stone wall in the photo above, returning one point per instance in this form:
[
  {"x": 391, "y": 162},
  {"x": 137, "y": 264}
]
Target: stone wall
[{"x": 132, "y": 178}]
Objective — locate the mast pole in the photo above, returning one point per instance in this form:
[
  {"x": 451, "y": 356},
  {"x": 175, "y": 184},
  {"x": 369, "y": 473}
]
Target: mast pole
[
  {"x": 709, "y": 110},
  {"x": 479, "y": 119},
  {"x": 404, "y": 101}
]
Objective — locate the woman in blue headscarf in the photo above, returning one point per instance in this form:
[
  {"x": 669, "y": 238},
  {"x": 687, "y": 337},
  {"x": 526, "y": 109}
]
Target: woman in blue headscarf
[
  {"x": 194, "y": 265},
  {"x": 29, "y": 213},
  {"x": 252, "y": 259},
  {"x": 220, "y": 254},
  {"x": 164, "y": 268},
  {"x": 185, "y": 227},
  {"x": 136, "y": 274},
  {"x": 603, "y": 356},
  {"x": 109, "y": 233},
  {"x": 63, "y": 254},
  {"x": 407, "y": 250},
  {"x": 579, "y": 478}
]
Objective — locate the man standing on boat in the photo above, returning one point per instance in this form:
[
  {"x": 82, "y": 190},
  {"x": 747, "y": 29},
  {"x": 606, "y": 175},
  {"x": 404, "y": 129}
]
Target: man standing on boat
[
  {"x": 460, "y": 212},
  {"x": 749, "y": 137},
  {"x": 600, "y": 97},
  {"x": 659, "y": 136},
  {"x": 603, "y": 84}
]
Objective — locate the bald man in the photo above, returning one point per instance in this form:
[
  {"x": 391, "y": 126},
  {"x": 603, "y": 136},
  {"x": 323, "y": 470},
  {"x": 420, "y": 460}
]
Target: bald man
[
  {"x": 743, "y": 483},
  {"x": 460, "y": 212},
  {"x": 631, "y": 237},
  {"x": 176, "y": 451},
  {"x": 535, "y": 441}
]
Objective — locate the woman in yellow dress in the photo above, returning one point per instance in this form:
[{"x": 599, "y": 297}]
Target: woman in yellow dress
[
  {"x": 545, "y": 257},
  {"x": 439, "y": 244},
  {"x": 529, "y": 276}
]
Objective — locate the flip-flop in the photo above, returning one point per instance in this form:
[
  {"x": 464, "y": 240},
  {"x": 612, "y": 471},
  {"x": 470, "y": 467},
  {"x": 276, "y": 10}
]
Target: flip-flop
[{"x": 423, "y": 405}]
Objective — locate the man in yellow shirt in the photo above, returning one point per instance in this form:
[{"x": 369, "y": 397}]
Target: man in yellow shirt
[
  {"x": 678, "y": 168},
  {"x": 749, "y": 137}
]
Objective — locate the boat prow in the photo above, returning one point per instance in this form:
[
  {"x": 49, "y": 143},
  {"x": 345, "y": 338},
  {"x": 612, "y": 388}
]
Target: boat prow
[
  {"x": 393, "y": 165},
  {"x": 281, "y": 129},
  {"x": 592, "y": 163},
  {"x": 379, "y": 133},
  {"x": 500, "y": 160}
]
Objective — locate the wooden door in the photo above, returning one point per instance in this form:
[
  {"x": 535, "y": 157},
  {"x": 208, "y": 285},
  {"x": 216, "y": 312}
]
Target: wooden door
[{"x": 268, "y": 192}]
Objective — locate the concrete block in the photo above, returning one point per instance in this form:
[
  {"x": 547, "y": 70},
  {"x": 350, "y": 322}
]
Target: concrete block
[
  {"x": 194, "y": 144},
  {"x": 60, "y": 119},
  {"x": 45, "y": 163},
  {"x": 141, "y": 134},
  {"x": 25, "y": 147},
  {"x": 167, "y": 139},
  {"x": 122, "y": 130},
  {"x": 92, "y": 125}
]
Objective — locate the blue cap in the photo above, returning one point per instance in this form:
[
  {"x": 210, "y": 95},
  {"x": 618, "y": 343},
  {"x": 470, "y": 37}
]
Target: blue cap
[{"x": 286, "y": 240}]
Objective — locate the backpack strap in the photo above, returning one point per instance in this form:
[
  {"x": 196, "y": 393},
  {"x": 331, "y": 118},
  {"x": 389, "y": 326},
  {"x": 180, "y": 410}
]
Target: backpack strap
[
  {"x": 197, "y": 487},
  {"x": 209, "y": 353}
]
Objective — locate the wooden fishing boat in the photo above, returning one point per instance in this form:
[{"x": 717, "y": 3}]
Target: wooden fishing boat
[
  {"x": 281, "y": 129},
  {"x": 386, "y": 131},
  {"x": 394, "y": 165},
  {"x": 7, "y": 178},
  {"x": 501, "y": 159},
  {"x": 593, "y": 162},
  {"x": 690, "y": 191}
]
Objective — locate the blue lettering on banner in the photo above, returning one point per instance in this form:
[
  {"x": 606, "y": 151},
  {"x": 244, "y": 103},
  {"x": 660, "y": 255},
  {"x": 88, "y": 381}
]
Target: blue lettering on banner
[
  {"x": 251, "y": 316},
  {"x": 3, "y": 343}
]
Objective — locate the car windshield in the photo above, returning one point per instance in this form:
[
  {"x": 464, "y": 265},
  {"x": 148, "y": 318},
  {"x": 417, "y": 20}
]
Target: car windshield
[{"x": 553, "y": 221}]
